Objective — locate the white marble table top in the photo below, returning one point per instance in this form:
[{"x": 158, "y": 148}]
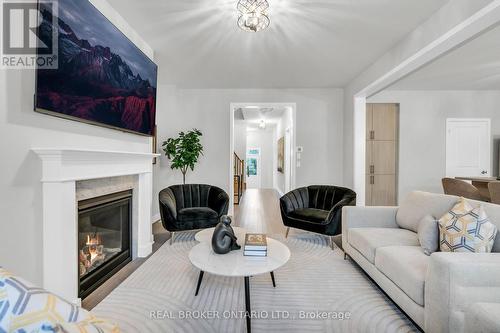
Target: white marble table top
[
  {"x": 235, "y": 263},
  {"x": 206, "y": 235}
]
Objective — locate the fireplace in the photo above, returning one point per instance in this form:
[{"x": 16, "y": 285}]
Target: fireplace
[{"x": 104, "y": 238}]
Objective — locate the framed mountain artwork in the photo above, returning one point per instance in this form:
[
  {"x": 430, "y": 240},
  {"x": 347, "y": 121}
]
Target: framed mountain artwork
[{"x": 102, "y": 77}]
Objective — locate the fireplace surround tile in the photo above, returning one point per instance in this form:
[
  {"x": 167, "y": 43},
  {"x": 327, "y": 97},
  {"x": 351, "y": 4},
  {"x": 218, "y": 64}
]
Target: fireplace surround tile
[{"x": 91, "y": 188}]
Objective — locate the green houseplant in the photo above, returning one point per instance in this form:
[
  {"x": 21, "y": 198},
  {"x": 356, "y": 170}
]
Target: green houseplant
[{"x": 183, "y": 151}]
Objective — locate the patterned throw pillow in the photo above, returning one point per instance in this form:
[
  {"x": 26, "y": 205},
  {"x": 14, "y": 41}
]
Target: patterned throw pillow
[
  {"x": 466, "y": 229},
  {"x": 27, "y": 308},
  {"x": 89, "y": 325}
]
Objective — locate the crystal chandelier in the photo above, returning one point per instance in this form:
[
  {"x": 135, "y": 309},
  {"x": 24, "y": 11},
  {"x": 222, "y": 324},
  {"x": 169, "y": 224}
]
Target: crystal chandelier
[{"x": 253, "y": 15}]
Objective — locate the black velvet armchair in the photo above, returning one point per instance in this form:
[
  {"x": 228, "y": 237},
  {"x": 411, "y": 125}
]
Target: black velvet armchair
[
  {"x": 316, "y": 208},
  {"x": 191, "y": 207}
]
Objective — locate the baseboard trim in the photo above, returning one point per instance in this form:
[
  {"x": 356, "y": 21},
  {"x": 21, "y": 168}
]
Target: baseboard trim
[
  {"x": 279, "y": 192},
  {"x": 145, "y": 250}
]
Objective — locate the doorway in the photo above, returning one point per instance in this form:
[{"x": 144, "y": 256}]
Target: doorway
[{"x": 263, "y": 127}]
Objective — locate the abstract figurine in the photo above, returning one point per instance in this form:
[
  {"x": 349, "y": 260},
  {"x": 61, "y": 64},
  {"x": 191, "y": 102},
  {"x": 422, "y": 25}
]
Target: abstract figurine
[{"x": 224, "y": 239}]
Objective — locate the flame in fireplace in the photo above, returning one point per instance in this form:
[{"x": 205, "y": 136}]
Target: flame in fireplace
[
  {"x": 93, "y": 240},
  {"x": 93, "y": 243}
]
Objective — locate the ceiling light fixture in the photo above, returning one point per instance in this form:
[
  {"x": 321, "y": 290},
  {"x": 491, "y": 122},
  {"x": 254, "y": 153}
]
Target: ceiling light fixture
[
  {"x": 253, "y": 15},
  {"x": 262, "y": 124}
]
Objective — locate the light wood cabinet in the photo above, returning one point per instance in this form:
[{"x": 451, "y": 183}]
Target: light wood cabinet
[
  {"x": 382, "y": 132},
  {"x": 369, "y": 180},
  {"x": 384, "y": 157},
  {"x": 383, "y": 191},
  {"x": 385, "y": 122},
  {"x": 369, "y": 120}
]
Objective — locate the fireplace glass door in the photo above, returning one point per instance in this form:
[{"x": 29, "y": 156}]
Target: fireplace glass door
[{"x": 103, "y": 238}]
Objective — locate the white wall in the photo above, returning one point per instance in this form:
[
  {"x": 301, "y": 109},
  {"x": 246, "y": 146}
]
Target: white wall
[
  {"x": 449, "y": 16},
  {"x": 319, "y": 131},
  {"x": 422, "y": 146},
  {"x": 264, "y": 139},
  {"x": 240, "y": 138},
  {"x": 21, "y": 129}
]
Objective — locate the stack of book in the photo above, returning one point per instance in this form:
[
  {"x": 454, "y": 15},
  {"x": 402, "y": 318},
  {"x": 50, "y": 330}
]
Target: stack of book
[{"x": 255, "y": 245}]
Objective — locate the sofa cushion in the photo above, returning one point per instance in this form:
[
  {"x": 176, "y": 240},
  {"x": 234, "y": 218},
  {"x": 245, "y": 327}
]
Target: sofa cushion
[
  {"x": 310, "y": 214},
  {"x": 428, "y": 234},
  {"x": 368, "y": 240},
  {"x": 418, "y": 204},
  {"x": 406, "y": 266},
  {"x": 482, "y": 317},
  {"x": 196, "y": 213}
]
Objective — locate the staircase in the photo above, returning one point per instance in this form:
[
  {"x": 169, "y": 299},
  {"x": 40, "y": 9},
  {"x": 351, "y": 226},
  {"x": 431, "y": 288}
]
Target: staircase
[{"x": 239, "y": 178}]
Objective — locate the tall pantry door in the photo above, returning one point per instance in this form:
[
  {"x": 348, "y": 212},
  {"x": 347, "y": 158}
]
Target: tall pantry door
[{"x": 382, "y": 132}]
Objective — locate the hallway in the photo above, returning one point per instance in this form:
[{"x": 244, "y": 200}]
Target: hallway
[{"x": 259, "y": 212}]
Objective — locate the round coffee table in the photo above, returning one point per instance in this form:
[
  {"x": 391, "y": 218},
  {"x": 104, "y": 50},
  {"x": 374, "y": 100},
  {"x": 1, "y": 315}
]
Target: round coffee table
[
  {"x": 235, "y": 264},
  {"x": 206, "y": 235}
]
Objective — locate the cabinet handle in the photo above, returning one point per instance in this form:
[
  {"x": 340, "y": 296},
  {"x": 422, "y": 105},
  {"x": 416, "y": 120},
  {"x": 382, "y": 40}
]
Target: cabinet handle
[
  {"x": 372, "y": 168},
  {"x": 372, "y": 135},
  {"x": 372, "y": 180}
]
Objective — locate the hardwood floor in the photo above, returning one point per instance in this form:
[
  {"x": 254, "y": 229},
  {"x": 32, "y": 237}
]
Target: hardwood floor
[{"x": 258, "y": 212}]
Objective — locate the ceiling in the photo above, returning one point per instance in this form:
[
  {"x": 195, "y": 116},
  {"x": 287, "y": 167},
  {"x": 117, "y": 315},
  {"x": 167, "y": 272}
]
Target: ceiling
[
  {"x": 309, "y": 44},
  {"x": 255, "y": 114},
  {"x": 252, "y": 116},
  {"x": 473, "y": 66}
]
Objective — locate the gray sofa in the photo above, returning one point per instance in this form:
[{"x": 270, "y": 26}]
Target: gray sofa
[{"x": 436, "y": 291}]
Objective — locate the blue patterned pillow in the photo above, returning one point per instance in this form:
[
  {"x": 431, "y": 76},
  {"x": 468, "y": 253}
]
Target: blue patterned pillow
[
  {"x": 27, "y": 308},
  {"x": 466, "y": 229}
]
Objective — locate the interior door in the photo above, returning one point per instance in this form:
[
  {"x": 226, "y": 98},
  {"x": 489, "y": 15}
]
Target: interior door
[
  {"x": 468, "y": 147},
  {"x": 253, "y": 168}
]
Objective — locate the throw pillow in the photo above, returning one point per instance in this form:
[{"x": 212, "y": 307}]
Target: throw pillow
[
  {"x": 428, "y": 234},
  {"x": 89, "y": 325},
  {"x": 464, "y": 229},
  {"x": 27, "y": 308}
]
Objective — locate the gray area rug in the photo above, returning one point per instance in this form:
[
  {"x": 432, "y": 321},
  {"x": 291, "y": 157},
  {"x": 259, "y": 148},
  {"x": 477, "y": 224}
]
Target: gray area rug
[{"x": 315, "y": 282}]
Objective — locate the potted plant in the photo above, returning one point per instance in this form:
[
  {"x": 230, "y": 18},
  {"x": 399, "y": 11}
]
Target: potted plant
[{"x": 184, "y": 151}]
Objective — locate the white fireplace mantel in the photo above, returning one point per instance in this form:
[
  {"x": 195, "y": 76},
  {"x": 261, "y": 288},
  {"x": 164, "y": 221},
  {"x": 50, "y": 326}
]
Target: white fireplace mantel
[
  {"x": 61, "y": 169},
  {"x": 80, "y": 164}
]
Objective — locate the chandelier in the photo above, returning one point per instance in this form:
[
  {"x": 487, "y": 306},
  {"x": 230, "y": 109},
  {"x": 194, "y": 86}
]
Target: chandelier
[{"x": 253, "y": 15}]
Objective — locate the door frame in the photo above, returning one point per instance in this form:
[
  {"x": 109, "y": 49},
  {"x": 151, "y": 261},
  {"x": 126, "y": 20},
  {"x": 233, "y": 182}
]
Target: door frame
[
  {"x": 232, "y": 108},
  {"x": 488, "y": 121}
]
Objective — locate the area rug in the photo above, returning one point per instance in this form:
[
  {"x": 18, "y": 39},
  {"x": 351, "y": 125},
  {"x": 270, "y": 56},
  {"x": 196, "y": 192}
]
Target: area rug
[{"x": 317, "y": 291}]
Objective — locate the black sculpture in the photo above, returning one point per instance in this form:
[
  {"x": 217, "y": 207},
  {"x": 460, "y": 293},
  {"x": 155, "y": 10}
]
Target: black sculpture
[{"x": 223, "y": 239}]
